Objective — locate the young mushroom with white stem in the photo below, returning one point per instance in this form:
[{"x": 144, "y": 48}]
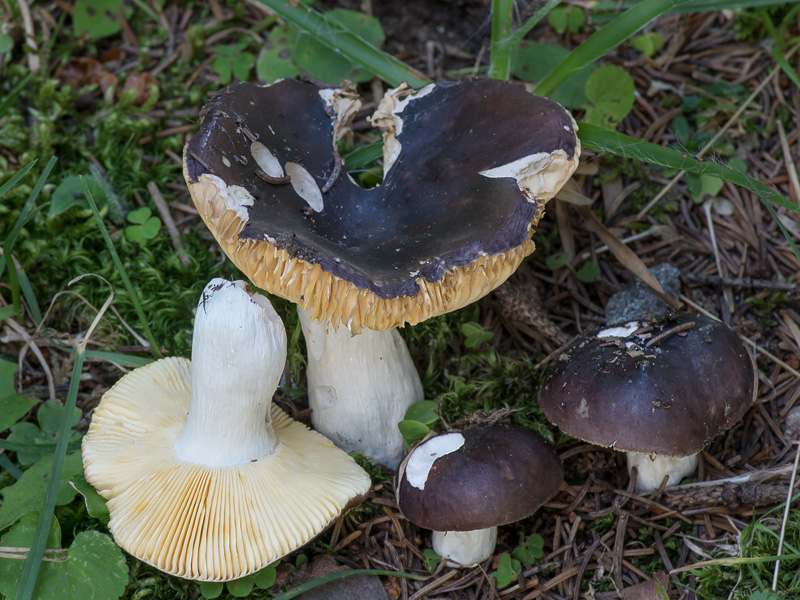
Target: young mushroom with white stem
[
  {"x": 462, "y": 485},
  {"x": 658, "y": 391},
  {"x": 205, "y": 478},
  {"x": 448, "y": 224}
]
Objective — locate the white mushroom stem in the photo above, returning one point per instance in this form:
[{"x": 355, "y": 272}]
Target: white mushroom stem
[
  {"x": 653, "y": 469},
  {"x": 359, "y": 388},
  {"x": 238, "y": 355},
  {"x": 465, "y": 548}
]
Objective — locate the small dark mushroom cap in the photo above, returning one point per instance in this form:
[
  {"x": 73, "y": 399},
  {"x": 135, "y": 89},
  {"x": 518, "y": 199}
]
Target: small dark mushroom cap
[
  {"x": 435, "y": 236},
  {"x": 500, "y": 475},
  {"x": 668, "y": 399}
]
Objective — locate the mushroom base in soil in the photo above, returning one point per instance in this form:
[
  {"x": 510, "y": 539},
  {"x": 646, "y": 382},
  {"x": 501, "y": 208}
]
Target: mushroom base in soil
[
  {"x": 657, "y": 390},
  {"x": 466, "y": 548},
  {"x": 651, "y": 470},
  {"x": 206, "y": 479},
  {"x": 462, "y": 485},
  {"x": 359, "y": 388}
]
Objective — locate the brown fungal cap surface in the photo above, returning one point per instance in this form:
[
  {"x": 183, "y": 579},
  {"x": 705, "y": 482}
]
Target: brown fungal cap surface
[
  {"x": 497, "y": 475},
  {"x": 411, "y": 245},
  {"x": 666, "y": 390}
]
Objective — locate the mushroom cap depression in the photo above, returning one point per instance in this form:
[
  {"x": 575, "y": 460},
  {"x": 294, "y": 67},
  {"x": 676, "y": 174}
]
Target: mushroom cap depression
[
  {"x": 469, "y": 168},
  {"x": 208, "y": 523},
  {"x": 635, "y": 392},
  {"x": 482, "y": 477}
]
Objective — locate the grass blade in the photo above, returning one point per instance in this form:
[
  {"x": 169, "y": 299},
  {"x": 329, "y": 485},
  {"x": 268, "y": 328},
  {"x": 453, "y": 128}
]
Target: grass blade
[
  {"x": 502, "y": 17},
  {"x": 34, "y": 560},
  {"x": 343, "y": 42},
  {"x": 12, "y": 96},
  {"x": 532, "y": 21},
  {"x": 121, "y": 270},
  {"x": 363, "y": 155},
  {"x": 605, "y": 39},
  {"x": 604, "y": 140},
  {"x": 8, "y": 243}
]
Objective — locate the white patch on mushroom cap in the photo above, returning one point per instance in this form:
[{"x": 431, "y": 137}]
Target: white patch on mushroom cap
[
  {"x": 266, "y": 160},
  {"x": 539, "y": 175},
  {"x": 421, "y": 460},
  {"x": 620, "y": 331},
  {"x": 235, "y": 197},
  {"x": 305, "y": 186}
]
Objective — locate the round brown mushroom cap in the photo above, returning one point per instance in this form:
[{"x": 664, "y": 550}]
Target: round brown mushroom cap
[
  {"x": 500, "y": 474},
  {"x": 652, "y": 391},
  {"x": 208, "y": 523},
  {"x": 440, "y": 232}
]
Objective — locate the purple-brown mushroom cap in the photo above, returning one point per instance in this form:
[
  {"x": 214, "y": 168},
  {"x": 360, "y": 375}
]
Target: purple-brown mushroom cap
[
  {"x": 499, "y": 474},
  {"x": 638, "y": 392}
]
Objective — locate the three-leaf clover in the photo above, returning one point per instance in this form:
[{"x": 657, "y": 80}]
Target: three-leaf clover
[
  {"x": 232, "y": 62},
  {"x": 143, "y": 226}
]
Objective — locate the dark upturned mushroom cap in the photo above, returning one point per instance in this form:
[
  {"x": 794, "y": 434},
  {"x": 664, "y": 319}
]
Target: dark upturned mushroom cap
[
  {"x": 449, "y": 223},
  {"x": 668, "y": 398},
  {"x": 483, "y": 477}
]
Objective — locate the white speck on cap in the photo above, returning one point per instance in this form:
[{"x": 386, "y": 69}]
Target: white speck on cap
[
  {"x": 305, "y": 186},
  {"x": 421, "y": 460},
  {"x": 621, "y": 331}
]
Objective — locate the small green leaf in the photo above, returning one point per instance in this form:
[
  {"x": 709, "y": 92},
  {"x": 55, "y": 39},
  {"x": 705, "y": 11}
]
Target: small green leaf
[
  {"x": 6, "y": 43},
  {"x": 703, "y": 186},
  {"x": 266, "y": 577},
  {"x": 533, "y": 61},
  {"x": 649, "y": 43},
  {"x": 610, "y": 92},
  {"x": 566, "y": 18},
  {"x": 274, "y": 64},
  {"x": 223, "y": 68},
  {"x": 508, "y": 569},
  {"x": 412, "y": 431},
  {"x": 680, "y": 126},
  {"x": 145, "y": 227},
  {"x": 555, "y": 261},
  {"x": 320, "y": 62},
  {"x": 432, "y": 559},
  {"x": 51, "y": 415},
  {"x": 242, "y": 65},
  {"x": 98, "y": 18},
  {"x": 589, "y": 272},
  {"x": 25, "y": 495},
  {"x": 211, "y": 589},
  {"x": 426, "y": 411},
  {"x": 139, "y": 216},
  {"x": 12, "y": 406},
  {"x": 69, "y": 193},
  {"x": 94, "y": 567},
  {"x": 240, "y": 588},
  {"x": 95, "y": 503},
  {"x": 475, "y": 335},
  {"x": 151, "y": 228}
]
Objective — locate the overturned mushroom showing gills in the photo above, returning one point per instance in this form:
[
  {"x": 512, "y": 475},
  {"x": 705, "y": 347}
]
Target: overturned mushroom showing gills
[
  {"x": 463, "y": 485},
  {"x": 206, "y": 479},
  {"x": 657, "y": 391},
  {"x": 468, "y": 170}
]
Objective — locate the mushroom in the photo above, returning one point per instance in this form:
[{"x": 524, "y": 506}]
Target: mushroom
[
  {"x": 657, "y": 391},
  {"x": 205, "y": 478},
  {"x": 463, "y": 485},
  {"x": 468, "y": 169}
]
